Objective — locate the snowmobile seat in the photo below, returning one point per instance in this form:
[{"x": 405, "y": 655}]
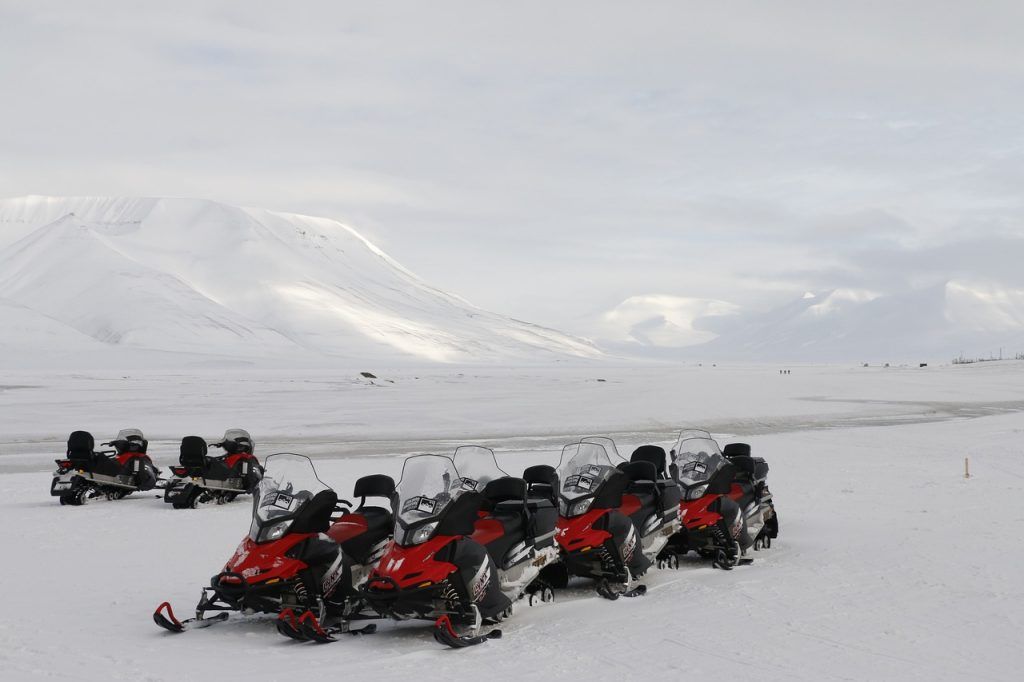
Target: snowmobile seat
[
  {"x": 315, "y": 517},
  {"x": 747, "y": 468},
  {"x": 506, "y": 489},
  {"x": 653, "y": 454},
  {"x": 374, "y": 485},
  {"x": 193, "y": 453},
  {"x": 736, "y": 450},
  {"x": 80, "y": 448},
  {"x": 541, "y": 482},
  {"x": 379, "y": 525}
]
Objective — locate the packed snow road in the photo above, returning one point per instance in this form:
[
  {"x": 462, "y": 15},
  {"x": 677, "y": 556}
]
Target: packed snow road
[{"x": 889, "y": 565}]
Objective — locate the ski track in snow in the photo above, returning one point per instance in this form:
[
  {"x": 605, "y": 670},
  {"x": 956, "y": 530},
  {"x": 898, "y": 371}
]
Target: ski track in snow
[{"x": 889, "y": 565}]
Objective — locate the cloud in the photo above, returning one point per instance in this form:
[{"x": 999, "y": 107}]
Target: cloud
[{"x": 550, "y": 161}]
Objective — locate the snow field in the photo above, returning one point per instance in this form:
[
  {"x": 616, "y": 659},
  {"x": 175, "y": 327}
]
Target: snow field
[{"x": 889, "y": 565}]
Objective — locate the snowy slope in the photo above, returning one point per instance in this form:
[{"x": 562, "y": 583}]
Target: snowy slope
[{"x": 199, "y": 276}]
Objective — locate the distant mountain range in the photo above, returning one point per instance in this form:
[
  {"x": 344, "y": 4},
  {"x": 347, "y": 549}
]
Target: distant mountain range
[
  {"x": 124, "y": 275},
  {"x": 840, "y": 325}
]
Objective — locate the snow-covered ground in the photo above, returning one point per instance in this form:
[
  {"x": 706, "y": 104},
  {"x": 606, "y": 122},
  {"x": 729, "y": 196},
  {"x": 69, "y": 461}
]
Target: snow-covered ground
[{"x": 889, "y": 565}]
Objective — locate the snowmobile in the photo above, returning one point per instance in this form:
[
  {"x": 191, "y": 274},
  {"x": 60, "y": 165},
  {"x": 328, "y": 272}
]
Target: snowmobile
[
  {"x": 615, "y": 517},
  {"x": 85, "y": 474},
  {"x": 727, "y": 507},
  {"x": 437, "y": 567},
  {"x": 516, "y": 526},
  {"x": 201, "y": 478},
  {"x": 299, "y": 560}
]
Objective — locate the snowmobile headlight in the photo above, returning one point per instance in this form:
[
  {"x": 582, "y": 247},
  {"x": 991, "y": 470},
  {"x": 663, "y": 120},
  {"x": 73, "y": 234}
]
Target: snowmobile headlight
[
  {"x": 274, "y": 532},
  {"x": 421, "y": 534},
  {"x": 696, "y": 493},
  {"x": 580, "y": 507}
]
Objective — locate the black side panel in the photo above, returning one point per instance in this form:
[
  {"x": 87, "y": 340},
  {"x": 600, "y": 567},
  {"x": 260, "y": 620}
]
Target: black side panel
[
  {"x": 316, "y": 516},
  {"x": 478, "y": 576},
  {"x": 459, "y": 518},
  {"x": 721, "y": 482},
  {"x": 610, "y": 495}
]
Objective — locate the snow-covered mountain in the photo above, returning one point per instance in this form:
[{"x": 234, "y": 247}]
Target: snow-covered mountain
[
  {"x": 937, "y": 322},
  {"x": 840, "y": 325},
  {"x": 202, "y": 277}
]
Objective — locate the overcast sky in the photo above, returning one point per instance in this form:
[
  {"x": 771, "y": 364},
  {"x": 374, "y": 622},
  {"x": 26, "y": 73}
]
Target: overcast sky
[{"x": 549, "y": 160}]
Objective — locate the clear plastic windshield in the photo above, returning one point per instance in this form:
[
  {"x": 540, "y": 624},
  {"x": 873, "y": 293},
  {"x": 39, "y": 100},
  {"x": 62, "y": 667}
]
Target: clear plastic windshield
[
  {"x": 429, "y": 484},
  {"x": 607, "y": 443},
  {"x": 697, "y": 459},
  {"x": 289, "y": 482},
  {"x": 477, "y": 466},
  {"x": 125, "y": 434},
  {"x": 583, "y": 468}
]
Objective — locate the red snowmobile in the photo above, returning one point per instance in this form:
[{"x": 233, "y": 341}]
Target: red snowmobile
[
  {"x": 85, "y": 474},
  {"x": 615, "y": 517},
  {"x": 298, "y": 560},
  {"x": 727, "y": 507},
  {"x": 201, "y": 478},
  {"x": 466, "y": 546}
]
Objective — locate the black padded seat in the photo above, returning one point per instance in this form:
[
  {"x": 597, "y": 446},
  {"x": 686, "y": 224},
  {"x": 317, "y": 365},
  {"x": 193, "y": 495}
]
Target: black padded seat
[
  {"x": 374, "y": 485},
  {"x": 736, "y": 450},
  {"x": 379, "y": 525},
  {"x": 193, "y": 453},
  {"x": 541, "y": 482},
  {"x": 639, "y": 471},
  {"x": 81, "y": 445},
  {"x": 655, "y": 455}
]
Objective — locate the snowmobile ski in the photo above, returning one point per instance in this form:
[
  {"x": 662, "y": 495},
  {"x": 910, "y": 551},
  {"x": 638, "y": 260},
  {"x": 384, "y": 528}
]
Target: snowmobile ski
[
  {"x": 445, "y": 634},
  {"x": 606, "y": 590},
  {"x": 307, "y": 628},
  {"x": 172, "y": 624}
]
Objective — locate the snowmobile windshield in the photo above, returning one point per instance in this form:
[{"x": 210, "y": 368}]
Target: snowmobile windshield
[
  {"x": 126, "y": 434},
  {"x": 289, "y": 482},
  {"x": 584, "y": 467},
  {"x": 477, "y": 467},
  {"x": 697, "y": 459},
  {"x": 429, "y": 484}
]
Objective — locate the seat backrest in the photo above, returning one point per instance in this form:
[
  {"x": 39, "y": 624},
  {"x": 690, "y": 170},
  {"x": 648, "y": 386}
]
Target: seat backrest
[
  {"x": 80, "y": 446},
  {"x": 639, "y": 471},
  {"x": 744, "y": 464},
  {"x": 193, "y": 452},
  {"x": 541, "y": 481},
  {"x": 374, "y": 485},
  {"x": 504, "y": 489},
  {"x": 654, "y": 454},
  {"x": 736, "y": 450}
]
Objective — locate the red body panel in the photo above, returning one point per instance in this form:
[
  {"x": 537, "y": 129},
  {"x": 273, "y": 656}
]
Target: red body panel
[
  {"x": 232, "y": 460},
  {"x": 125, "y": 458},
  {"x": 576, "y": 533},
  {"x": 347, "y": 527},
  {"x": 261, "y": 562},
  {"x": 413, "y": 566},
  {"x": 697, "y": 514},
  {"x": 630, "y": 504},
  {"x": 487, "y": 531}
]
